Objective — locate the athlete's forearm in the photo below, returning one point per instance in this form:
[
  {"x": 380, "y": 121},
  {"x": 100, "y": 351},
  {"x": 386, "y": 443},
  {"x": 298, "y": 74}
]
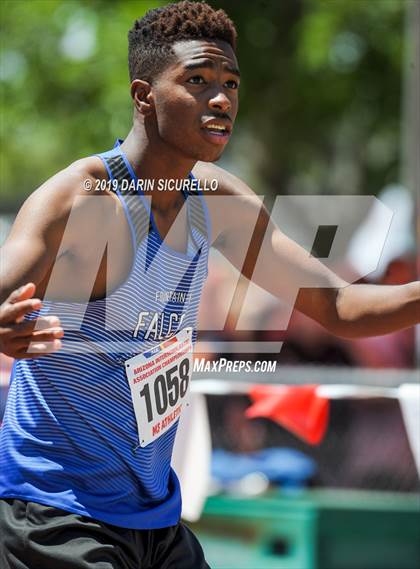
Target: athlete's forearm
[{"x": 374, "y": 310}]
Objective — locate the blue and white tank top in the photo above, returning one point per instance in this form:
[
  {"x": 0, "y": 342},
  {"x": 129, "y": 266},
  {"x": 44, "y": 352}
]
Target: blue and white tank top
[{"x": 69, "y": 437}]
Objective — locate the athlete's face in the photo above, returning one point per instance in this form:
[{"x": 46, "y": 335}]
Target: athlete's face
[{"x": 196, "y": 99}]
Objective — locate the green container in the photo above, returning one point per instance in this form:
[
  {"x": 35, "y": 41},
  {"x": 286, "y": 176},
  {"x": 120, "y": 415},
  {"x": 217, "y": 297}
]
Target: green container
[
  {"x": 368, "y": 530},
  {"x": 314, "y": 530},
  {"x": 258, "y": 534}
]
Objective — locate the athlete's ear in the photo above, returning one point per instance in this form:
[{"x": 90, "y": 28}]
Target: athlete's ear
[{"x": 141, "y": 92}]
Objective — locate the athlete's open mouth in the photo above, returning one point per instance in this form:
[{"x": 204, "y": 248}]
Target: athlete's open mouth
[{"x": 217, "y": 131}]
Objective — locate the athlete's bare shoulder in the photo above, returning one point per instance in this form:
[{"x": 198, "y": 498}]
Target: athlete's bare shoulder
[
  {"x": 56, "y": 195},
  {"x": 79, "y": 178},
  {"x": 48, "y": 206},
  {"x": 37, "y": 234},
  {"x": 232, "y": 205},
  {"x": 227, "y": 183}
]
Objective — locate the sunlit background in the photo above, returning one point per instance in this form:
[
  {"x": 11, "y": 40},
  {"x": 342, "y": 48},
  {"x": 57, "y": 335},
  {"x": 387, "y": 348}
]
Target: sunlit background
[{"x": 328, "y": 106}]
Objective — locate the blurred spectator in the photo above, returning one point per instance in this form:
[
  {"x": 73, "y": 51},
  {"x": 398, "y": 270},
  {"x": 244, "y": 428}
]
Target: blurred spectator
[{"x": 305, "y": 341}]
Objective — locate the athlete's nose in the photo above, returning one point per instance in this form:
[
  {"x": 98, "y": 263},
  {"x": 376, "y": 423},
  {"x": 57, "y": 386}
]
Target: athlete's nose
[{"x": 220, "y": 103}]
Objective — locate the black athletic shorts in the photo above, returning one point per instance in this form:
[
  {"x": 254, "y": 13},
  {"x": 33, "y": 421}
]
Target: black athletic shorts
[{"x": 33, "y": 536}]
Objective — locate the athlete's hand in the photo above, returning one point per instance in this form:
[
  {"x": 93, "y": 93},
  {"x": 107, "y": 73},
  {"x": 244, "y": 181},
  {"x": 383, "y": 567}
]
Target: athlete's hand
[{"x": 17, "y": 337}]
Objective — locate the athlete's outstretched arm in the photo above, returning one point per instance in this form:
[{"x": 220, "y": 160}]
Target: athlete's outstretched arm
[
  {"x": 27, "y": 259},
  {"x": 285, "y": 269},
  {"x": 348, "y": 310}
]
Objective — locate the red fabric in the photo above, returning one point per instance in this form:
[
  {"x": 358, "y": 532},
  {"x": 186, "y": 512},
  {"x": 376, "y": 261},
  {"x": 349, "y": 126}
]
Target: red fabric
[{"x": 296, "y": 408}]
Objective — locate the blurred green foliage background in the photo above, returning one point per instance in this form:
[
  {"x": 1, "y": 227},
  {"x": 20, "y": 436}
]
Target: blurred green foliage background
[{"x": 320, "y": 95}]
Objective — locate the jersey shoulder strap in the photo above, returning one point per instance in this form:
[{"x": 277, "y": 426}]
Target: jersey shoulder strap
[{"x": 125, "y": 189}]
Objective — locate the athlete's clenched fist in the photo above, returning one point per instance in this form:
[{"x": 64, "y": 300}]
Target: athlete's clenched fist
[{"x": 18, "y": 339}]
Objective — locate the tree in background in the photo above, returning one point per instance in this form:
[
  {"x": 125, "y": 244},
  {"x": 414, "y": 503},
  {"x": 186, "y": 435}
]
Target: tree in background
[{"x": 320, "y": 97}]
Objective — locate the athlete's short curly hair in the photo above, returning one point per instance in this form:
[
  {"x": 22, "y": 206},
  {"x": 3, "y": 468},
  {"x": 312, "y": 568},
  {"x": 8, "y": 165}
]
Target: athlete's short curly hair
[{"x": 151, "y": 37}]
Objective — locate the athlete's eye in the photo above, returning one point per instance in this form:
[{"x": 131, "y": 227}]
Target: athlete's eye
[
  {"x": 196, "y": 80},
  {"x": 232, "y": 84}
]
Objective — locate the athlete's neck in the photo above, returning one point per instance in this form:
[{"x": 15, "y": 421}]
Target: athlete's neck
[{"x": 154, "y": 160}]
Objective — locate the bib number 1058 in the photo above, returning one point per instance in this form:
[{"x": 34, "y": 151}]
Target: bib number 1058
[
  {"x": 168, "y": 388},
  {"x": 159, "y": 382}
]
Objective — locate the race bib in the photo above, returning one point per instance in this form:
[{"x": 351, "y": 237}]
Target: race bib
[{"x": 159, "y": 381}]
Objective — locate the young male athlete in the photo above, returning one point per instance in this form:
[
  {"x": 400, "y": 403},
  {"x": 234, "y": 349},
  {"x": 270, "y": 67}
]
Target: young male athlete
[{"x": 85, "y": 475}]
